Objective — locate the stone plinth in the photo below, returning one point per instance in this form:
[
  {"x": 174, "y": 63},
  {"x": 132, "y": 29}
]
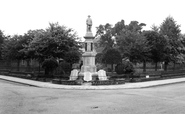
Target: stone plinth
[
  {"x": 89, "y": 62},
  {"x": 89, "y": 55},
  {"x": 89, "y": 35}
]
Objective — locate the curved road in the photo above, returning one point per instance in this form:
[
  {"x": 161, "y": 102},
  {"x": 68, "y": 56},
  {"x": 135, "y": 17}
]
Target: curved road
[{"x": 21, "y": 99}]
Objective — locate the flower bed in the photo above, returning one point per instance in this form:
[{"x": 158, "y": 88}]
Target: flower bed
[{"x": 80, "y": 82}]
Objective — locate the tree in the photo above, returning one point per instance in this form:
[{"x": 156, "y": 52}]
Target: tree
[
  {"x": 127, "y": 35},
  {"x": 124, "y": 68},
  {"x": 118, "y": 27},
  {"x": 106, "y": 38},
  {"x": 170, "y": 30},
  {"x": 132, "y": 44},
  {"x": 2, "y": 38},
  {"x": 55, "y": 41},
  {"x": 99, "y": 57},
  {"x": 12, "y": 47},
  {"x": 50, "y": 65},
  {"x": 157, "y": 44},
  {"x": 181, "y": 56},
  {"x": 72, "y": 57},
  {"x": 155, "y": 28},
  {"x": 112, "y": 56},
  {"x": 140, "y": 51},
  {"x": 135, "y": 26}
]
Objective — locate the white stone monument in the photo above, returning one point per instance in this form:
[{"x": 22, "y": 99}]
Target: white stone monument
[
  {"x": 102, "y": 75},
  {"x": 147, "y": 76},
  {"x": 74, "y": 74},
  {"x": 87, "y": 76}
]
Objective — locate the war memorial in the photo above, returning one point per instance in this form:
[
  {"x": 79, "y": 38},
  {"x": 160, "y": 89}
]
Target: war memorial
[{"x": 88, "y": 75}]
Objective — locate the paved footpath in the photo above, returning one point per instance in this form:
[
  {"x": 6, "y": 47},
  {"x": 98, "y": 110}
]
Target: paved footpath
[{"x": 122, "y": 86}]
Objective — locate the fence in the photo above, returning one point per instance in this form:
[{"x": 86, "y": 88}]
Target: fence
[{"x": 35, "y": 67}]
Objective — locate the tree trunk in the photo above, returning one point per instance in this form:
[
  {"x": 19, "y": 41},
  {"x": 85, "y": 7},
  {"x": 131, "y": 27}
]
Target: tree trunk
[
  {"x": 144, "y": 66},
  {"x": 105, "y": 64},
  {"x": 165, "y": 66},
  {"x": 47, "y": 72},
  {"x": 28, "y": 65},
  {"x": 112, "y": 67},
  {"x": 155, "y": 66},
  {"x": 18, "y": 65},
  {"x": 11, "y": 67},
  {"x": 39, "y": 67},
  {"x": 174, "y": 65},
  {"x": 71, "y": 65}
]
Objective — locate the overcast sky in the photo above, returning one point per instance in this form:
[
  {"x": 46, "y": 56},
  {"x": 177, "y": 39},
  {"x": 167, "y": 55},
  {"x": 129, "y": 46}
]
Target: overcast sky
[{"x": 19, "y": 16}]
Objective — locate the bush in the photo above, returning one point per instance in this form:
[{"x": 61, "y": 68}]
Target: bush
[
  {"x": 124, "y": 68},
  {"x": 112, "y": 56},
  {"x": 99, "y": 66},
  {"x": 107, "y": 69},
  {"x": 65, "y": 67},
  {"x": 95, "y": 77},
  {"x": 72, "y": 57},
  {"x": 49, "y": 65},
  {"x": 103, "y": 67}
]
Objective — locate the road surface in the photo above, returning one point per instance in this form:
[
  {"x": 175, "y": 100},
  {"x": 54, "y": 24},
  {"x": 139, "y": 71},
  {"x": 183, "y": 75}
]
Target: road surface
[{"x": 22, "y": 99}]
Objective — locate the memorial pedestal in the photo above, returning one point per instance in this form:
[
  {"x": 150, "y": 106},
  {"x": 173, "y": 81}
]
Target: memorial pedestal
[{"x": 89, "y": 56}]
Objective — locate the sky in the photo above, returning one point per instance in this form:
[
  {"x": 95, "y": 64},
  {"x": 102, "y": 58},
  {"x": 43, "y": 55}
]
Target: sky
[{"x": 19, "y": 16}]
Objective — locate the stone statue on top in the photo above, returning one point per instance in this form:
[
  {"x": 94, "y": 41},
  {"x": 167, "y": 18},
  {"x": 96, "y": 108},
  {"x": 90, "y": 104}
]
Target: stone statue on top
[{"x": 89, "y": 23}]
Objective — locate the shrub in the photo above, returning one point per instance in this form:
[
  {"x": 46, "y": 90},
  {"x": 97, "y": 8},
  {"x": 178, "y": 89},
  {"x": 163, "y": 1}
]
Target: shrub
[
  {"x": 98, "y": 58},
  {"x": 124, "y": 68},
  {"x": 49, "y": 65},
  {"x": 65, "y": 67},
  {"x": 111, "y": 56},
  {"x": 99, "y": 66},
  {"x": 95, "y": 77},
  {"x": 72, "y": 57},
  {"x": 106, "y": 69},
  {"x": 109, "y": 70}
]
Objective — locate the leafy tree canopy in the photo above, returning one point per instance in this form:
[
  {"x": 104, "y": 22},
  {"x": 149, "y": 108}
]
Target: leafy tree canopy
[
  {"x": 157, "y": 44},
  {"x": 72, "y": 57},
  {"x": 12, "y": 46},
  {"x": 106, "y": 40},
  {"x": 2, "y": 38},
  {"x": 170, "y": 30},
  {"x": 112, "y": 56},
  {"x": 55, "y": 41}
]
